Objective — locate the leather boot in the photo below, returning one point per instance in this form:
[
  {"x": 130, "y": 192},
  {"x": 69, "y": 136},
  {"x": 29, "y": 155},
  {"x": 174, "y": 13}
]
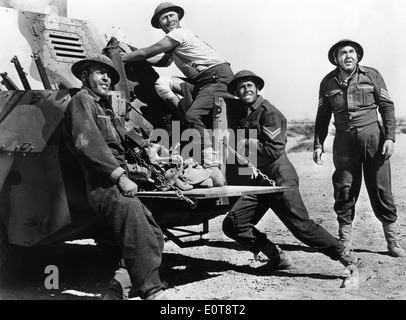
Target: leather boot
[
  {"x": 277, "y": 259},
  {"x": 216, "y": 176},
  {"x": 120, "y": 286},
  {"x": 212, "y": 164},
  {"x": 394, "y": 247}
]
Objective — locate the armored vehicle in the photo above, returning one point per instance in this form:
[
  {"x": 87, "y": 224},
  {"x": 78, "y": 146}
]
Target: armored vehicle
[{"x": 42, "y": 194}]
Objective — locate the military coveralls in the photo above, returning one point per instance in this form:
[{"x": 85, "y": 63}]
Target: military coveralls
[
  {"x": 92, "y": 132},
  {"x": 358, "y": 140},
  {"x": 272, "y": 160}
]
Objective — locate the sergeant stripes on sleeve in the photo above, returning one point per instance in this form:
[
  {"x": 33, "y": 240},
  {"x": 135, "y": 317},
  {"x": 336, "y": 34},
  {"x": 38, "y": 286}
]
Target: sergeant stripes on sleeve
[
  {"x": 320, "y": 102},
  {"x": 272, "y": 134},
  {"x": 385, "y": 94}
]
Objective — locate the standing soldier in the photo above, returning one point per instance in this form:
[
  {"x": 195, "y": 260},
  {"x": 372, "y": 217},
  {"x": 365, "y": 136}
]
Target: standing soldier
[{"x": 353, "y": 93}]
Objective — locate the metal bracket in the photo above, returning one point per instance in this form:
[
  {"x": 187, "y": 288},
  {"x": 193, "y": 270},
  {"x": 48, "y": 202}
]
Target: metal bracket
[{"x": 187, "y": 233}]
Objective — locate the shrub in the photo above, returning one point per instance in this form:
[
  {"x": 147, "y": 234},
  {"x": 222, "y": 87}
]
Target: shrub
[
  {"x": 302, "y": 146},
  {"x": 305, "y": 129}
]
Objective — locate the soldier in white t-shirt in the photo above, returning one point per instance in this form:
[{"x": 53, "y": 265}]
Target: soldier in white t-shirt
[{"x": 206, "y": 77}]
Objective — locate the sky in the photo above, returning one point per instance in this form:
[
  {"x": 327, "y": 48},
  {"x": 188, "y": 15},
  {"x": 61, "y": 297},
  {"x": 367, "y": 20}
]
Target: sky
[{"x": 283, "y": 41}]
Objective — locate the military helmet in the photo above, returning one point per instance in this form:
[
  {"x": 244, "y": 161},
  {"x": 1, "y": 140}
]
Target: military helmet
[
  {"x": 78, "y": 66},
  {"x": 231, "y": 88},
  {"x": 165, "y": 6},
  {"x": 342, "y": 43}
]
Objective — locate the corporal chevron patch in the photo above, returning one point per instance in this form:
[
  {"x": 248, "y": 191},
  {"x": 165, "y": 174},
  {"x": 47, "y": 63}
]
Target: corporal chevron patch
[
  {"x": 272, "y": 134},
  {"x": 320, "y": 102},
  {"x": 385, "y": 94}
]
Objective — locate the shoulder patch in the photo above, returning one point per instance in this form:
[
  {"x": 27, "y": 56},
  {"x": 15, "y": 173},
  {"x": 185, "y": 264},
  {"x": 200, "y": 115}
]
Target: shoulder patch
[
  {"x": 366, "y": 69},
  {"x": 267, "y": 105}
]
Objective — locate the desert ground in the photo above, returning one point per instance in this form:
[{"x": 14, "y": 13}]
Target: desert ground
[{"x": 221, "y": 270}]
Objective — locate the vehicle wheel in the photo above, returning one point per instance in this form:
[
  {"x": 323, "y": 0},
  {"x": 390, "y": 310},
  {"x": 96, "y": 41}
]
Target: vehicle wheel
[{"x": 8, "y": 255}]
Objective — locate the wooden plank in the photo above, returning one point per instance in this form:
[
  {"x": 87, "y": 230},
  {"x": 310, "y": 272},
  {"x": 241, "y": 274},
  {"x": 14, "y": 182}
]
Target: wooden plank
[{"x": 215, "y": 192}]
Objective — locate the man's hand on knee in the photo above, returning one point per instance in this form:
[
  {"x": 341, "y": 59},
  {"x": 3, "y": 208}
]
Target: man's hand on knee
[{"x": 127, "y": 187}]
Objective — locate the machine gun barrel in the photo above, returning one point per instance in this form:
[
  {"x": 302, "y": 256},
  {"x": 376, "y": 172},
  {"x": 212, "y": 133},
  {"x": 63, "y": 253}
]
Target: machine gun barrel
[
  {"x": 41, "y": 70},
  {"x": 7, "y": 82},
  {"x": 21, "y": 73}
]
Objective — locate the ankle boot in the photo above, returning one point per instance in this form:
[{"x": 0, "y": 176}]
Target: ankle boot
[
  {"x": 394, "y": 247},
  {"x": 277, "y": 259}
]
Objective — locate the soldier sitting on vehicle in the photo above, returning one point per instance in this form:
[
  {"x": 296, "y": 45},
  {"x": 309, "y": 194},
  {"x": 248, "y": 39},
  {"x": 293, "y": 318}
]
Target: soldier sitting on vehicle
[{"x": 95, "y": 135}]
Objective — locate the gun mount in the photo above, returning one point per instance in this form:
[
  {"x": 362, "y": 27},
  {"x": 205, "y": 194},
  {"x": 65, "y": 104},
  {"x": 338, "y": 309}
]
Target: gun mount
[{"x": 42, "y": 194}]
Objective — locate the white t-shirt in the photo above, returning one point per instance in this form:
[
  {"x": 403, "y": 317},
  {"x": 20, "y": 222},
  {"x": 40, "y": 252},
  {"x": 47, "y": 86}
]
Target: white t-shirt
[{"x": 193, "y": 55}]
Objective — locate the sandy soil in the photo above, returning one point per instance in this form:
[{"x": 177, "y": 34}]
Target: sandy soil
[{"x": 221, "y": 270}]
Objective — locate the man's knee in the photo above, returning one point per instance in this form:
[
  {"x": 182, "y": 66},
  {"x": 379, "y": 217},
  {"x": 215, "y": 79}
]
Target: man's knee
[
  {"x": 163, "y": 88},
  {"x": 228, "y": 226},
  {"x": 129, "y": 207}
]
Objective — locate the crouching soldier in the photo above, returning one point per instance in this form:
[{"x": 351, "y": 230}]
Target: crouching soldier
[{"x": 272, "y": 160}]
